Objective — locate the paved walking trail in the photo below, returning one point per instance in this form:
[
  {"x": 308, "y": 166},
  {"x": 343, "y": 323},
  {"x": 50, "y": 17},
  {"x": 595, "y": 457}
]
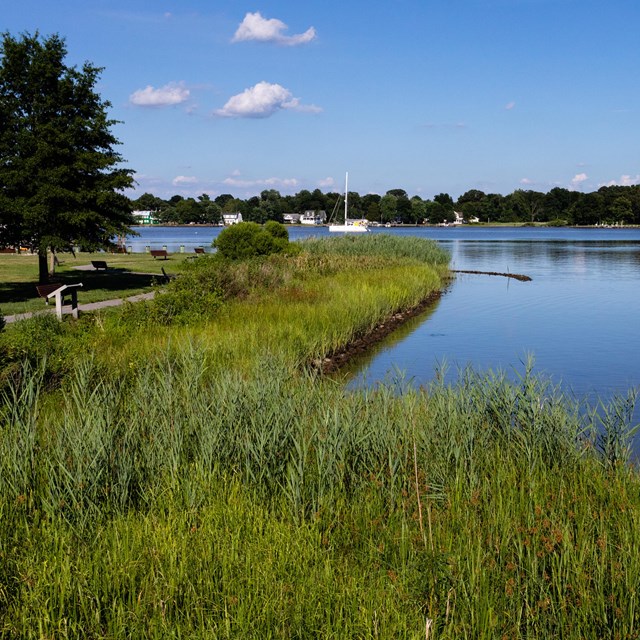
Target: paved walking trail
[{"x": 90, "y": 306}]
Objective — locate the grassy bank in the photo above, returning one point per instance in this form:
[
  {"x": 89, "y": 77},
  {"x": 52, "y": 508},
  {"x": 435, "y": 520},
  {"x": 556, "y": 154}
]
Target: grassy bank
[{"x": 194, "y": 479}]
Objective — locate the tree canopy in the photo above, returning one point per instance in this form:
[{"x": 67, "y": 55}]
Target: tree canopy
[
  {"x": 61, "y": 179},
  {"x": 609, "y": 205}
]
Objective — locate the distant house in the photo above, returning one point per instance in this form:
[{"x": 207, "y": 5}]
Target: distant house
[
  {"x": 144, "y": 217},
  {"x": 231, "y": 218},
  {"x": 291, "y": 218},
  {"x": 459, "y": 218},
  {"x": 313, "y": 217}
]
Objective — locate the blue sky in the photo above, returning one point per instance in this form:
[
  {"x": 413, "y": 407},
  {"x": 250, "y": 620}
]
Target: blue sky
[{"x": 429, "y": 96}]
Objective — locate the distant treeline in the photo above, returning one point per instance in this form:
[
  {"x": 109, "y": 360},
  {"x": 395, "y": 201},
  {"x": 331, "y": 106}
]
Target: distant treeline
[{"x": 607, "y": 205}]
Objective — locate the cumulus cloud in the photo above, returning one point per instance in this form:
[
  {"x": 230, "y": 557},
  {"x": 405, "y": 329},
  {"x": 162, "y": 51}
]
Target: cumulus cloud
[
  {"x": 171, "y": 94},
  {"x": 255, "y": 27},
  {"x": 326, "y": 183},
  {"x": 578, "y": 179},
  {"x": 623, "y": 181},
  {"x": 261, "y": 101},
  {"x": 527, "y": 181},
  {"x": 180, "y": 181}
]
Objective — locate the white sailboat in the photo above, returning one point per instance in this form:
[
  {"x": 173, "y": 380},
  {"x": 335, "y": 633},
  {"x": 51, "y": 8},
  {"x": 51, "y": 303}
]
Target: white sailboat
[{"x": 349, "y": 226}]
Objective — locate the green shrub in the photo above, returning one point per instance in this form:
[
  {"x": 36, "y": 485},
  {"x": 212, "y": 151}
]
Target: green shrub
[
  {"x": 183, "y": 306},
  {"x": 41, "y": 338},
  {"x": 35, "y": 338},
  {"x": 276, "y": 229},
  {"x": 249, "y": 240}
]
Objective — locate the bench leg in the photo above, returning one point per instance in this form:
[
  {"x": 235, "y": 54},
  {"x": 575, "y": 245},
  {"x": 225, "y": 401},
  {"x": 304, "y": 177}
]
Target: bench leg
[
  {"x": 74, "y": 304},
  {"x": 59, "y": 306}
]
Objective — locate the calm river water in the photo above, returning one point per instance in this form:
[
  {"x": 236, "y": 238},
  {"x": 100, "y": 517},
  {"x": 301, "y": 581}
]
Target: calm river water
[{"x": 578, "y": 317}]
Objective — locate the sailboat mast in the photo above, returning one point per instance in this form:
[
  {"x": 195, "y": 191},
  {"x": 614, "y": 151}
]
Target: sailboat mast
[{"x": 346, "y": 195}]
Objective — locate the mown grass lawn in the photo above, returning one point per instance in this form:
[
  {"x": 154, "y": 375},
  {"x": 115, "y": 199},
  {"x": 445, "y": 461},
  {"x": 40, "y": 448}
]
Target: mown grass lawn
[{"x": 127, "y": 275}]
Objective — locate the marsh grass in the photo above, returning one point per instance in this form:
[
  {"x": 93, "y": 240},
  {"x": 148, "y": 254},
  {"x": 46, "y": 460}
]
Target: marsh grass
[
  {"x": 381, "y": 245},
  {"x": 277, "y": 504},
  {"x": 198, "y": 482}
]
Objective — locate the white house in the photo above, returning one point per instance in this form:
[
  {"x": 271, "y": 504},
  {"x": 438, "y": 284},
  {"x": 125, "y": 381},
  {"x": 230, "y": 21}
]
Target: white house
[
  {"x": 143, "y": 217},
  {"x": 313, "y": 217},
  {"x": 231, "y": 218}
]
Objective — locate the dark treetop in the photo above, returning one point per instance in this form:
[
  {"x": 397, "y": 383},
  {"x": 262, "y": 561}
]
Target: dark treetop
[{"x": 61, "y": 183}]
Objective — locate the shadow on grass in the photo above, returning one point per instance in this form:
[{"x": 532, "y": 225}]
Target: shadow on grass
[{"x": 113, "y": 280}]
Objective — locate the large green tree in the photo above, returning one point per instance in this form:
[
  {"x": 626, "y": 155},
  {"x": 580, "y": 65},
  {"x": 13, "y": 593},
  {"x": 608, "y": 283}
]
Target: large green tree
[{"x": 61, "y": 180}]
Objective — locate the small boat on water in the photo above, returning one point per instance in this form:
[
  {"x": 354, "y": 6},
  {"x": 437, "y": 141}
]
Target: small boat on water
[{"x": 349, "y": 226}]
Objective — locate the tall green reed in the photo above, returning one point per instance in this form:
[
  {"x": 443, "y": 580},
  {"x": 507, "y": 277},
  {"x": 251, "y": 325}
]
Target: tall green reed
[{"x": 474, "y": 503}]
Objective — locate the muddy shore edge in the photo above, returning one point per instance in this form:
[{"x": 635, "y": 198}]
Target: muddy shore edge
[{"x": 332, "y": 362}]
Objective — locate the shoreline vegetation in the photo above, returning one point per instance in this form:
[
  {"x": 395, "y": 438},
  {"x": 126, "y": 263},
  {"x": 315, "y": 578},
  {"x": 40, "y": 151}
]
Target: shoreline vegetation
[
  {"x": 475, "y": 225},
  {"x": 610, "y": 206},
  {"x": 181, "y": 468}
]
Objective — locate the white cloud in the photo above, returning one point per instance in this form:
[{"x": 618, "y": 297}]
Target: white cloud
[
  {"x": 326, "y": 183},
  {"x": 578, "y": 179},
  {"x": 526, "y": 181},
  {"x": 262, "y": 101},
  {"x": 180, "y": 181},
  {"x": 266, "y": 182},
  {"x": 255, "y": 27},
  {"x": 171, "y": 94},
  {"x": 510, "y": 105},
  {"x": 624, "y": 181}
]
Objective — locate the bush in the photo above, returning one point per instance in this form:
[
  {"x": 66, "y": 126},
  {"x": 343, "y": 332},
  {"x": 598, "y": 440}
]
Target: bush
[
  {"x": 276, "y": 229},
  {"x": 35, "y": 338},
  {"x": 249, "y": 240}
]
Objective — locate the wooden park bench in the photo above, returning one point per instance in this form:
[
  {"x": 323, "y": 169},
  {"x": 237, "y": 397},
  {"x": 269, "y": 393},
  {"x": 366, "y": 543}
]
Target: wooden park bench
[
  {"x": 99, "y": 264},
  {"x": 199, "y": 250},
  {"x": 159, "y": 253},
  {"x": 60, "y": 292}
]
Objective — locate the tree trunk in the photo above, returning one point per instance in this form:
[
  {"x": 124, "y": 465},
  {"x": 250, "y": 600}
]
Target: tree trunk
[
  {"x": 53, "y": 261},
  {"x": 43, "y": 267}
]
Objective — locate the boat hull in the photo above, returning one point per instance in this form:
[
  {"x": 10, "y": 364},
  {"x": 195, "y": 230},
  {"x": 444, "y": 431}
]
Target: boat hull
[{"x": 348, "y": 228}]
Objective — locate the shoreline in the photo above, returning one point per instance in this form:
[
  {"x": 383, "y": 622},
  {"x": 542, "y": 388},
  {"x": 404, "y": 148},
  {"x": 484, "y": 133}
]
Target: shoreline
[{"x": 334, "y": 361}]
